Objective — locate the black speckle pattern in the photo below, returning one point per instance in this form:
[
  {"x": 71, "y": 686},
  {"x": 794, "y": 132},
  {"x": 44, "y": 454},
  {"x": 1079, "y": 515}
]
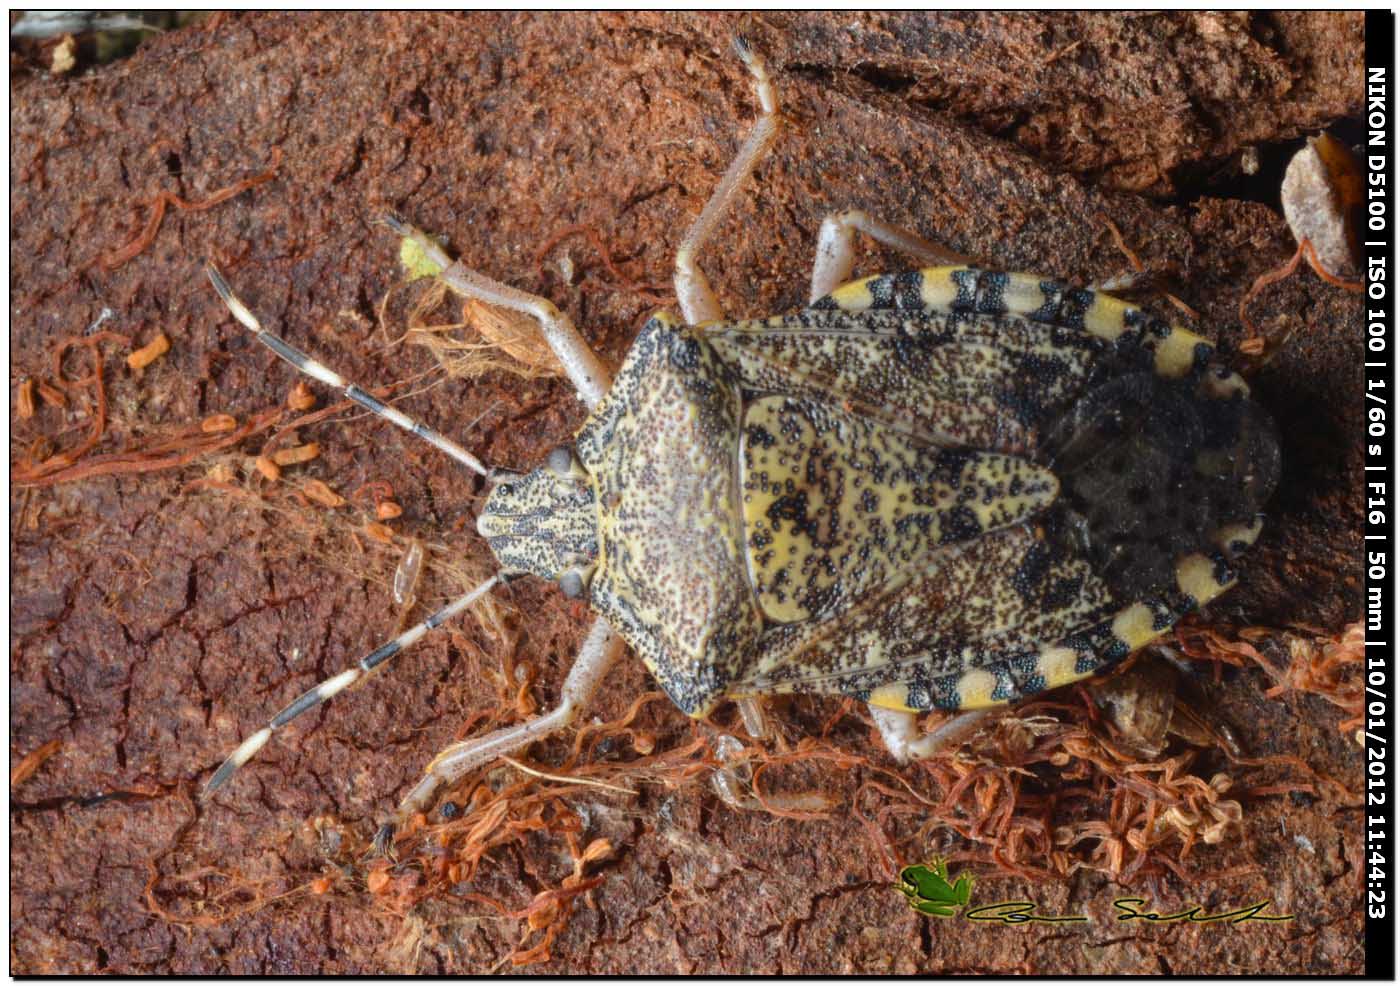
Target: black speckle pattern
[{"x": 938, "y": 489}]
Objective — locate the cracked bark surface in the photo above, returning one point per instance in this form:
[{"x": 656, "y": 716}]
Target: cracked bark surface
[{"x": 153, "y": 625}]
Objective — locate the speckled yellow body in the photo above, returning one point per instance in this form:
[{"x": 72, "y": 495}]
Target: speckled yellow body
[{"x": 942, "y": 489}]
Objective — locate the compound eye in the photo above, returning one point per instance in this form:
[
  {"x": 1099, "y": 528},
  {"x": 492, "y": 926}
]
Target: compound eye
[
  {"x": 571, "y": 584},
  {"x": 561, "y": 462}
]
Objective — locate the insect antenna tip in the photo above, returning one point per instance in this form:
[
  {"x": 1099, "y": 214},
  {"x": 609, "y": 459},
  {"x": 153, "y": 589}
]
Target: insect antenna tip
[
  {"x": 217, "y": 279},
  {"x": 219, "y": 779}
]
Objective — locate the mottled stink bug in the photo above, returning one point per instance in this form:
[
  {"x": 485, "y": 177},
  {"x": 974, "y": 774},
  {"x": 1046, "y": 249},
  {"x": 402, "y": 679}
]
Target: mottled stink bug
[{"x": 941, "y": 489}]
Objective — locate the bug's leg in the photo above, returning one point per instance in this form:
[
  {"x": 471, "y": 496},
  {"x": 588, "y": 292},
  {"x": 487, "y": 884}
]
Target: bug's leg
[
  {"x": 1125, "y": 283},
  {"x": 751, "y": 711},
  {"x": 600, "y": 651},
  {"x": 328, "y": 376},
  {"x": 836, "y": 255},
  {"x": 697, "y": 301},
  {"x": 332, "y": 686},
  {"x": 900, "y": 731},
  {"x": 580, "y": 363}
]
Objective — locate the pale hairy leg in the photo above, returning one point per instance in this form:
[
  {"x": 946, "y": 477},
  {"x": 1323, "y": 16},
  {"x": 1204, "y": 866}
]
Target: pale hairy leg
[
  {"x": 693, "y": 293},
  {"x": 582, "y": 366},
  {"x": 600, "y": 651},
  {"x": 835, "y": 258}
]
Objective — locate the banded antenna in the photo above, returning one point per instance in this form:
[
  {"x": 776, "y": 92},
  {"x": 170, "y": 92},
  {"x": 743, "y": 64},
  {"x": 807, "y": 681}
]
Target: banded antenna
[
  {"x": 326, "y": 375},
  {"x": 332, "y": 686}
]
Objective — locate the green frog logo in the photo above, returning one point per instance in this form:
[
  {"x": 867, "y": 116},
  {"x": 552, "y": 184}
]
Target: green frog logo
[{"x": 929, "y": 890}]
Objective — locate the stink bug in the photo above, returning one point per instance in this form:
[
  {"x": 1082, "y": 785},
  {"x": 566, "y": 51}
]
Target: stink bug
[{"x": 942, "y": 489}]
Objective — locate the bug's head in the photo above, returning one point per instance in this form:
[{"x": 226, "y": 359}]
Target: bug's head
[{"x": 545, "y": 523}]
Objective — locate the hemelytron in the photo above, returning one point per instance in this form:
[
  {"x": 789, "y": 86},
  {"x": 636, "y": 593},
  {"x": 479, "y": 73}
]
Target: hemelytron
[{"x": 941, "y": 489}]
